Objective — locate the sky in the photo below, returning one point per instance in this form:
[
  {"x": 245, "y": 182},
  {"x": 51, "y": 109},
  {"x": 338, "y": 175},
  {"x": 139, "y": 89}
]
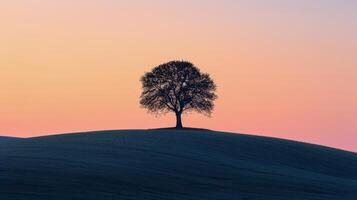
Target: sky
[{"x": 284, "y": 68}]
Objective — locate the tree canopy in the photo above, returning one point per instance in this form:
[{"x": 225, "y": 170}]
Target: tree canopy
[{"x": 177, "y": 86}]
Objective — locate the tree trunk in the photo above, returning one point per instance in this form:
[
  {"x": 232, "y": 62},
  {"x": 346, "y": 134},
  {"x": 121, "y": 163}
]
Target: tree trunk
[{"x": 178, "y": 120}]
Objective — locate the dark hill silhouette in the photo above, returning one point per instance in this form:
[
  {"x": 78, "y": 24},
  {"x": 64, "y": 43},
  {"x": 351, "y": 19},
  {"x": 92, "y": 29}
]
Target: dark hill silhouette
[
  {"x": 173, "y": 164},
  {"x": 7, "y": 138}
]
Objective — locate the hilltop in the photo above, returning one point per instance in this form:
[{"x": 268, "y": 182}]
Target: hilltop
[{"x": 173, "y": 164}]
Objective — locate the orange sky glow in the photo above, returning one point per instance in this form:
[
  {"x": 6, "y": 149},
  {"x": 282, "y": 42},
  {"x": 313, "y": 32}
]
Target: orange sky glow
[{"x": 283, "y": 68}]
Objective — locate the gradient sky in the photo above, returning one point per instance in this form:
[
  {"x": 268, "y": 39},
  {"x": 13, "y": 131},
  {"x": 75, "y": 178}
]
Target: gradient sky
[{"x": 284, "y": 68}]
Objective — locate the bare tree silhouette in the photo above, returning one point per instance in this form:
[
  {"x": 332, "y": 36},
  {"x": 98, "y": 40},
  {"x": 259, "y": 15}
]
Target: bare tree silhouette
[{"x": 177, "y": 86}]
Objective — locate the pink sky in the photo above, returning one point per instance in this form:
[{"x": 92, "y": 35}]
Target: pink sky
[{"x": 283, "y": 68}]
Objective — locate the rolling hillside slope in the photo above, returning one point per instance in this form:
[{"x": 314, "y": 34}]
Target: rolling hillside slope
[
  {"x": 6, "y": 138},
  {"x": 173, "y": 164}
]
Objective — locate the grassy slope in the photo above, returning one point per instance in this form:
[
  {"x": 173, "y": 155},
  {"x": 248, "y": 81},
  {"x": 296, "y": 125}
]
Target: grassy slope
[
  {"x": 172, "y": 164},
  {"x": 6, "y": 138}
]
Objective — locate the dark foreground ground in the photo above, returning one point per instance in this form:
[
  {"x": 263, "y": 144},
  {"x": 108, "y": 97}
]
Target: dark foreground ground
[{"x": 171, "y": 164}]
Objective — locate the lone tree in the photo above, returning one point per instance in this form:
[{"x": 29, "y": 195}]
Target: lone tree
[{"x": 177, "y": 86}]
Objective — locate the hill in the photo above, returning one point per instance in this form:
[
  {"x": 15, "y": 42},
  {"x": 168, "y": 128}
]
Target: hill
[
  {"x": 3, "y": 138},
  {"x": 173, "y": 164}
]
